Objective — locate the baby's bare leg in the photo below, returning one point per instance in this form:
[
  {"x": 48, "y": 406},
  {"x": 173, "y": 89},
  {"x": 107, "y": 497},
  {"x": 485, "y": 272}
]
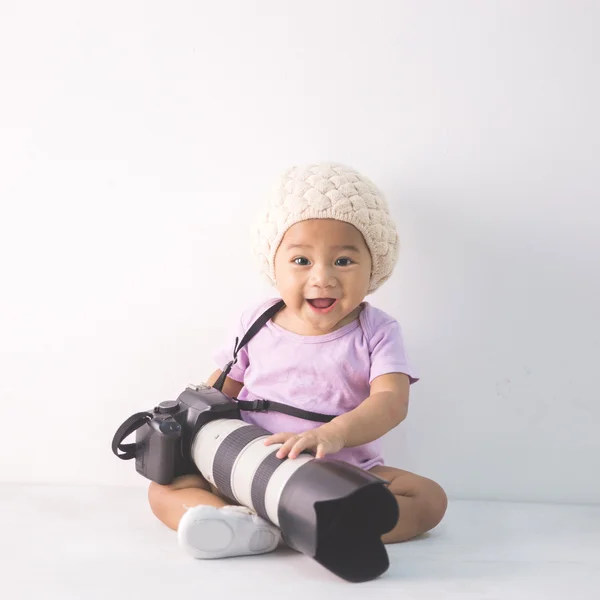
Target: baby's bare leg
[
  {"x": 421, "y": 501},
  {"x": 170, "y": 502}
]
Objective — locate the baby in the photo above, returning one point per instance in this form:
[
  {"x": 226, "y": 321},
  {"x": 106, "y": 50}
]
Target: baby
[{"x": 325, "y": 242}]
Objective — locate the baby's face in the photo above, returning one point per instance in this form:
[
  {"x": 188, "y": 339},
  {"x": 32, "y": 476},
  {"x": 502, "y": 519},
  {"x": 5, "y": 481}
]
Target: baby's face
[{"x": 322, "y": 271}]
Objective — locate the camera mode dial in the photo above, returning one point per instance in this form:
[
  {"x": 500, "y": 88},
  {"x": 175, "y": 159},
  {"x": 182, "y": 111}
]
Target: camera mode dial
[{"x": 169, "y": 407}]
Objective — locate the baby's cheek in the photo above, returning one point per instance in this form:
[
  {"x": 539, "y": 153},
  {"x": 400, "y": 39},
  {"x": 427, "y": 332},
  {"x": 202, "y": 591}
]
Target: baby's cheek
[
  {"x": 291, "y": 291},
  {"x": 283, "y": 280}
]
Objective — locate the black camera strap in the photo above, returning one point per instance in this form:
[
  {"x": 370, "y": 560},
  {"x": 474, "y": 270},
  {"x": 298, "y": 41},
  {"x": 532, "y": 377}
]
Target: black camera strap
[
  {"x": 127, "y": 428},
  {"x": 252, "y": 331},
  {"x": 266, "y": 405}
]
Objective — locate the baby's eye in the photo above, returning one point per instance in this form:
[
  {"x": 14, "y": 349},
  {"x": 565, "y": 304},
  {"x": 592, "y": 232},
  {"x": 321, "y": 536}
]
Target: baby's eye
[
  {"x": 343, "y": 262},
  {"x": 301, "y": 261}
]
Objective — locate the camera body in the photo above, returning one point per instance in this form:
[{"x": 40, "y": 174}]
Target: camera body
[{"x": 163, "y": 443}]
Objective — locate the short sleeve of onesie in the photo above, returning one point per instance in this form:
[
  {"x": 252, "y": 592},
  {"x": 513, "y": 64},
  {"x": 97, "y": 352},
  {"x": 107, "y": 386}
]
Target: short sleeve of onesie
[{"x": 386, "y": 347}]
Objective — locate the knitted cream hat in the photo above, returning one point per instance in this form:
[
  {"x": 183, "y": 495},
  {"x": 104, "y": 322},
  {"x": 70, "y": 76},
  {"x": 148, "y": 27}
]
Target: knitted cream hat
[{"x": 329, "y": 191}]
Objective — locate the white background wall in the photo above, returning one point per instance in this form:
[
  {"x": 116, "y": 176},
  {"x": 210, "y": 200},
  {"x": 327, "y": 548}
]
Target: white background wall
[{"x": 137, "y": 139}]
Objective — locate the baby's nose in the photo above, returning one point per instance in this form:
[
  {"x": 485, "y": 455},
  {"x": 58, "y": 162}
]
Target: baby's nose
[{"x": 323, "y": 276}]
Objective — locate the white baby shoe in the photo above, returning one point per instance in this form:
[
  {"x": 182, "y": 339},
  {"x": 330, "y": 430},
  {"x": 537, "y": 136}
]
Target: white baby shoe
[{"x": 210, "y": 532}]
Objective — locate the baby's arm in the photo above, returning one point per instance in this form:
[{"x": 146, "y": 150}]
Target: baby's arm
[
  {"x": 385, "y": 408},
  {"x": 231, "y": 387},
  {"x": 390, "y": 376}
]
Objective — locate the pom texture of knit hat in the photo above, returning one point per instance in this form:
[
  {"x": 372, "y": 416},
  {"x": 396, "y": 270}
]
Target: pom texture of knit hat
[{"x": 328, "y": 191}]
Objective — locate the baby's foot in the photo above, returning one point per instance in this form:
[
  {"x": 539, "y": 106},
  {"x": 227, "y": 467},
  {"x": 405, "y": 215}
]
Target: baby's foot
[{"x": 209, "y": 532}]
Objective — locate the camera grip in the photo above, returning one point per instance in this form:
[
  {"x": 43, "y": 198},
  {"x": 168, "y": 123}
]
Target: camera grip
[{"x": 159, "y": 449}]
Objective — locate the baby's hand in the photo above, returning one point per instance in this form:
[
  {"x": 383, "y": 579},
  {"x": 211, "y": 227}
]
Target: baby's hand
[{"x": 326, "y": 439}]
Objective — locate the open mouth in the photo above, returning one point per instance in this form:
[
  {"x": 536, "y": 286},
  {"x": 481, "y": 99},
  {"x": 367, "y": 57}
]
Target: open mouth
[{"x": 322, "y": 305}]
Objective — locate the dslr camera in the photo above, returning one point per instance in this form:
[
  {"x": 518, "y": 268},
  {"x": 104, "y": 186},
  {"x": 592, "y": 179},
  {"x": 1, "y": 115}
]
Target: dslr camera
[{"x": 164, "y": 437}]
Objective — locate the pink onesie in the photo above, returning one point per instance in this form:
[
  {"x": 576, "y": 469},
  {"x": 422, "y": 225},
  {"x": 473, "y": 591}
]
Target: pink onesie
[{"x": 328, "y": 374}]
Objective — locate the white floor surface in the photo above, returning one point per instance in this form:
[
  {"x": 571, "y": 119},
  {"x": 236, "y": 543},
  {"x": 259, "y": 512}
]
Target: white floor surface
[{"x": 102, "y": 542}]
